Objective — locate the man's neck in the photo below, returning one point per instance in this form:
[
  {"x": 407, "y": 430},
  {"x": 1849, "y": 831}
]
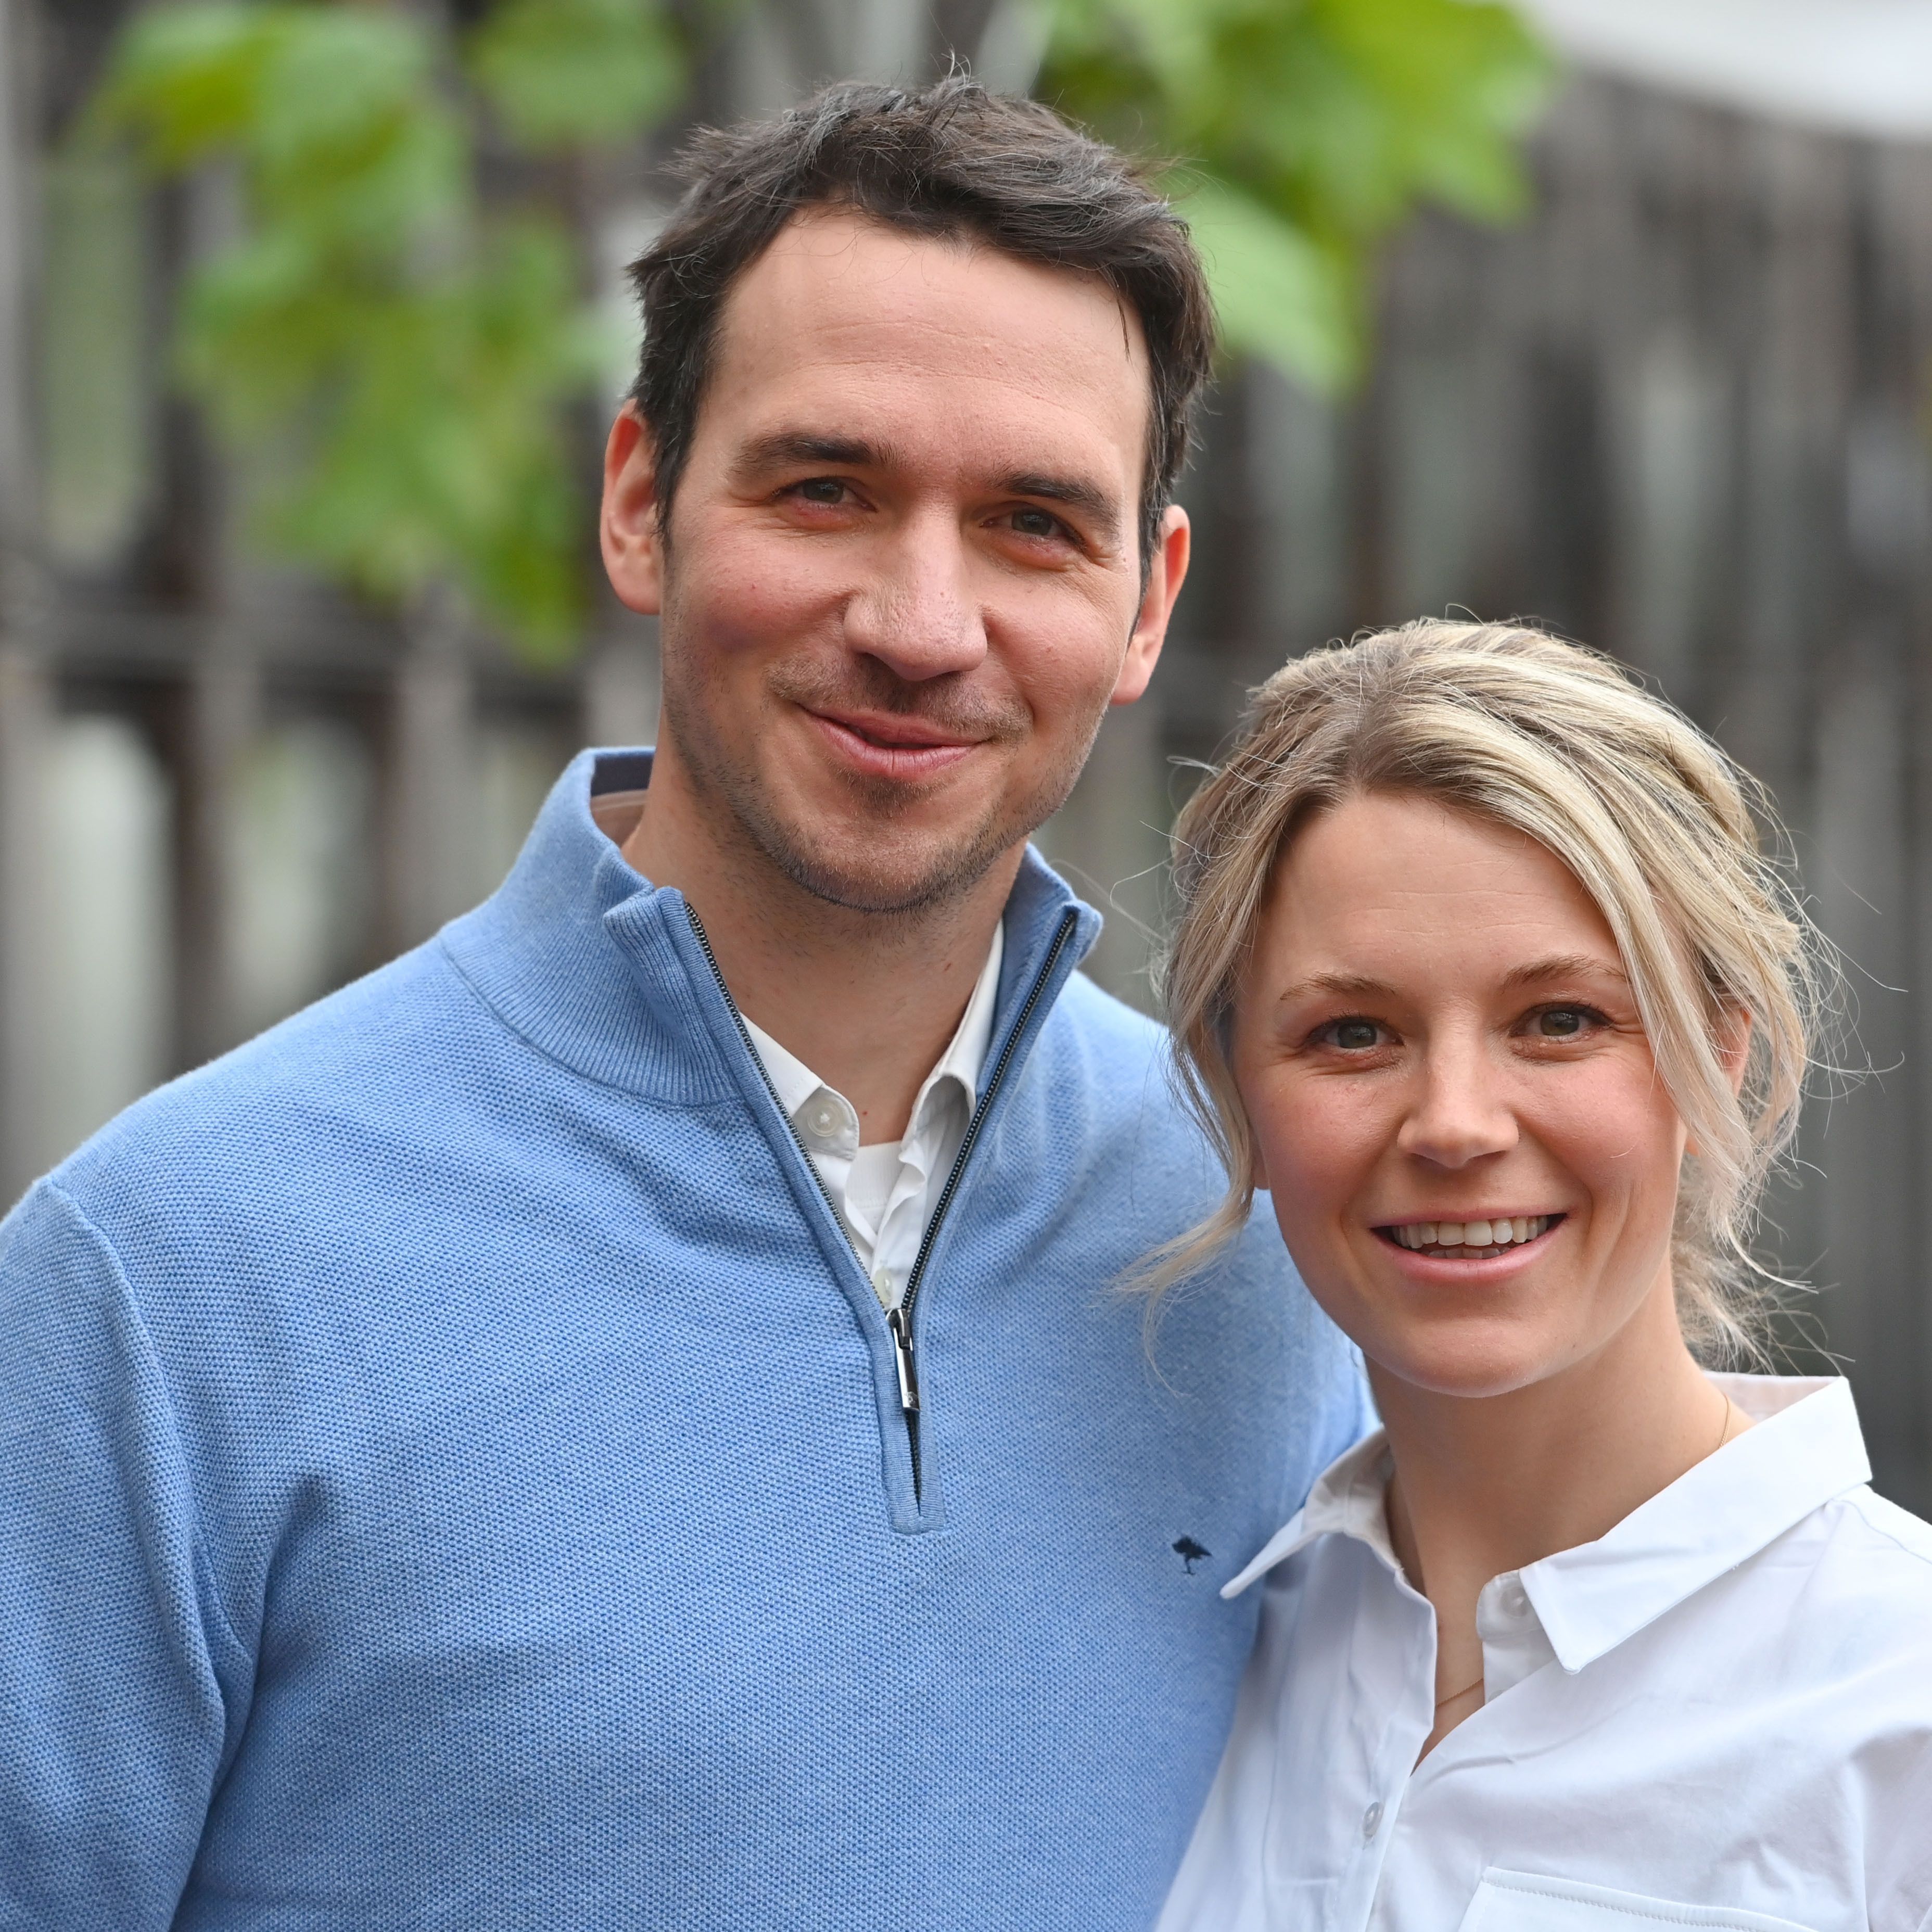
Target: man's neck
[{"x": 868, "y": 1000}]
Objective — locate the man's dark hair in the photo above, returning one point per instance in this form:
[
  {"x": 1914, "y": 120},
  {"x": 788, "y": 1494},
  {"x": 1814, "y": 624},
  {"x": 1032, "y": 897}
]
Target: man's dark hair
[{"x": 949, "y": 160}]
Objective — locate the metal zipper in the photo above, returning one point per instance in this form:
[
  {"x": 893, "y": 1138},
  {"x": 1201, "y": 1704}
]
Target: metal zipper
[
  {"x": 901, "y": 1316},
  {"x": 899, "y": 1320}
]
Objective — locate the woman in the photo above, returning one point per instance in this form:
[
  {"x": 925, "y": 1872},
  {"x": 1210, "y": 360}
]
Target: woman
[{"x": 1479, "y": 972}]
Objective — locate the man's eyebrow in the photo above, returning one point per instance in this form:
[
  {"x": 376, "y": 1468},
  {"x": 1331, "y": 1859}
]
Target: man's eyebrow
[
  {"x": 1565, "y": 966},
  {"x": 787, "y": 446}
]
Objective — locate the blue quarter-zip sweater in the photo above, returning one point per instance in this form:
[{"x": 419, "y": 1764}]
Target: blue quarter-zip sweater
[{"x": 452, "y": 1471}]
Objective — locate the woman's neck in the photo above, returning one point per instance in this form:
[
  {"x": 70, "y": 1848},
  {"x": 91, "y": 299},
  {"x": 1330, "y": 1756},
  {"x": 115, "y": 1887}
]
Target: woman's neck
[{"x": 1485, "y": 1485}]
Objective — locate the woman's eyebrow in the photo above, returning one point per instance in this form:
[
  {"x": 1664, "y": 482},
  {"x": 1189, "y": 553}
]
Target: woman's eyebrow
[
  {"x": 1350, "y": 985},
  {"x": 1566, "y": 966},
  {"x": 1533, "y": 973}
]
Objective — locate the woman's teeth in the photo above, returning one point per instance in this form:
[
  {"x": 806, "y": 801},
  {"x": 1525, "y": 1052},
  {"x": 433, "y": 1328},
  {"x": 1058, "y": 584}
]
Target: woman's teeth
[{"x": 1468, "y": 1241}]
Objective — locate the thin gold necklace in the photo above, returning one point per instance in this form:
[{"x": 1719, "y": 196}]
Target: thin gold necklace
[{"x": 1724, "y": 1434}]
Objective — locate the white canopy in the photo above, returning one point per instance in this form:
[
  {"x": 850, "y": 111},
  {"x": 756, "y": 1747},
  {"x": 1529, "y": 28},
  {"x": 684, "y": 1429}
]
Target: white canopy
[{"x": 1861, "y": 67}]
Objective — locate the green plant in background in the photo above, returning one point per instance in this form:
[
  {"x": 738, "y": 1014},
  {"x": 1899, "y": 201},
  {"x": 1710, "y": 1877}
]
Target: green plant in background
[
  {"x": 1313, "y": 128},
  {"x": 397, "y": 359},
  {"x": 562, "y": 72}
]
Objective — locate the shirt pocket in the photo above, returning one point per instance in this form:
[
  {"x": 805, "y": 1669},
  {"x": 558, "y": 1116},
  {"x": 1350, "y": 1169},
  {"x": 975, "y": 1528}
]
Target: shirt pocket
[{"x": 1508, "y": 1901}]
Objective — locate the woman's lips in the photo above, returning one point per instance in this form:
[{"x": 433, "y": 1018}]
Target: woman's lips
[
  {"x": 890, "y": 748},
  {"x": 1462, "y": 1261}
]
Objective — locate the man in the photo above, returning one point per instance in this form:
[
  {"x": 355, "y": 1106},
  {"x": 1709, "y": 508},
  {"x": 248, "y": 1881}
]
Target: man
[{"x": 627, "y": 1416}]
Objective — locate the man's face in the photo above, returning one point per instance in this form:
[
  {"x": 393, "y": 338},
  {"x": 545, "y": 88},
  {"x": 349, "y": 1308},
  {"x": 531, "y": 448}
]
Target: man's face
[{"x": 902, "y": 581}]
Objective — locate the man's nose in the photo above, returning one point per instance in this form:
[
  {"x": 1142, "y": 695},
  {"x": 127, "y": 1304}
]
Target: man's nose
[
  {"x": 1462, "y": 1111},
  {"x": 914, "y": 611}
]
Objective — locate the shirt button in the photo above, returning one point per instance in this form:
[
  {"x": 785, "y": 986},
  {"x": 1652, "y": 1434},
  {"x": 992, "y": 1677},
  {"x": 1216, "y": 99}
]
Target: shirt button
[
  {"x": 882, "y": 1285},
  {"x": 823, "y": 1120},
  {"x": 1515, "y": 1599},
  {"x": 1371, "y": 1821}
]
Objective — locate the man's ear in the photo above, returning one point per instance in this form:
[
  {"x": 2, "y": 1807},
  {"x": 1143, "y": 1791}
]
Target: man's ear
[
  {"x": 627, "y": 528},
  {"x": 1167, "y": 570}
]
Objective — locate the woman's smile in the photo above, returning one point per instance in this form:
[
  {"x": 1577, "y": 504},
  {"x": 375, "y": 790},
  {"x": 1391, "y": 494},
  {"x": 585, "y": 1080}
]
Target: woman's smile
[
  {"x": 1475, "y": 1251},
  {"x": 1470, "y": 1238}
]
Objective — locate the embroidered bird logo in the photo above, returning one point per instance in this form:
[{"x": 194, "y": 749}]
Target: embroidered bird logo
[{"x": 1190, "y": 1552}]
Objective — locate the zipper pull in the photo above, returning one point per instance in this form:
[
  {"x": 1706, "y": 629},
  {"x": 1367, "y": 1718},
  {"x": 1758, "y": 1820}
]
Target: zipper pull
[{"x": 895, "y": 1320}]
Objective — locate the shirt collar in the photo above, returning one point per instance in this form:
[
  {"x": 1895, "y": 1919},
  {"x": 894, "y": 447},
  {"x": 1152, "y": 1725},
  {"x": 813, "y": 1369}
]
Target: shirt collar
[
  {"x": 962, "y": 1063},
  {"x": 965, "y": 1059},
  {"x": 1804, "y": 1449},
  {"x": 1348, "y": 1500},
  {"x": 792, "y": 1081}
]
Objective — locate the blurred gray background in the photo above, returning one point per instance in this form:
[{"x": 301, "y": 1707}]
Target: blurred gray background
[{"x": 1679, "y": 410}]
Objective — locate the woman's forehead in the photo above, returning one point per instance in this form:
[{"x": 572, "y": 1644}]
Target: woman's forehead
[{"x": 1420, "y": 860}]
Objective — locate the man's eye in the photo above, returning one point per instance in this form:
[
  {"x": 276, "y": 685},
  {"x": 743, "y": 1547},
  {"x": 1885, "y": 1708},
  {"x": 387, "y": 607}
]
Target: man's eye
[
  {"x": 1037, "y": 524},
  {"x": 821, "y": 490},
  {"x": 1354, "y": 1036}
]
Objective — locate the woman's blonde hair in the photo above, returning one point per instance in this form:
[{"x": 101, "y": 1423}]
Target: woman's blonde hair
[{"x": 1658, "y": 825}]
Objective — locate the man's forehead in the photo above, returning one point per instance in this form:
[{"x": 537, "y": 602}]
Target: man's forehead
[
  {"x": 840, "y": 289},
  {"x": 833, "y": 243}
]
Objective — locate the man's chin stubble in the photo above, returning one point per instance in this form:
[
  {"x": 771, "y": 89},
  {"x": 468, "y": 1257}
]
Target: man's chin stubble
[
  {"x": 881, "y": 890},
  {"x": 883, "y": 871}
]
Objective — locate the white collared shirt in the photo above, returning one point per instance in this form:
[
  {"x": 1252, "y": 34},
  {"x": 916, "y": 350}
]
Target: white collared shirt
[
  {"x": 885, "y": 1194},
  {"x": 1718, "y": 1714}
]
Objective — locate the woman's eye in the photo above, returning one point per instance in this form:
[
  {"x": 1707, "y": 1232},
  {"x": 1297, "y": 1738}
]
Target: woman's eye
[
  {"x": 1354, "y": 1036},
  {"x": 1563, "y": 1022}
]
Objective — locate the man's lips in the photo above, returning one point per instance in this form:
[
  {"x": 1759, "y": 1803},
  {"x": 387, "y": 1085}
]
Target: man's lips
[{"x": 883, "y": 744}]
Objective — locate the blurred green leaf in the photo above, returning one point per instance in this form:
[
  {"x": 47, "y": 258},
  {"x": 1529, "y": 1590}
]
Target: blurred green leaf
[
  {"x": 1328, "y": 120},
  {"x": 399, "y": 361},
  {"x": 560, "y": 72},
  {"x": 183, "y": 80},
  {"x": 1280, "y": 295}
]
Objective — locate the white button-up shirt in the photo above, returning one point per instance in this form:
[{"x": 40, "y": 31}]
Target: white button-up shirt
[
  {"x": 885, "y": 1194},
  {"x": 1718, "y": 1714}
]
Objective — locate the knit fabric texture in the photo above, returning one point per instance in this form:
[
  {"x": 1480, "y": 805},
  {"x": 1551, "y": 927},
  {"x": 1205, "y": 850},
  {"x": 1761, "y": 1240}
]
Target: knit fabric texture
[{"x": 452, "y": 1471}]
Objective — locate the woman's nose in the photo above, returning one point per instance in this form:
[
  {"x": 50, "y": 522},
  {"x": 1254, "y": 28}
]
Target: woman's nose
[
  {"x": 1462, "y": 1111},
  {"x": 914, "y": 611}
]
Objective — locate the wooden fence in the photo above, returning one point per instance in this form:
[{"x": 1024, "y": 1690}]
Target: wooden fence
[{"x": 1678, "y": 412}]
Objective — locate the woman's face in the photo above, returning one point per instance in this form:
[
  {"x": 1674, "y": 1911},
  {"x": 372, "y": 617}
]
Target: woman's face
[{"x": 1434, "y": 1030}]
